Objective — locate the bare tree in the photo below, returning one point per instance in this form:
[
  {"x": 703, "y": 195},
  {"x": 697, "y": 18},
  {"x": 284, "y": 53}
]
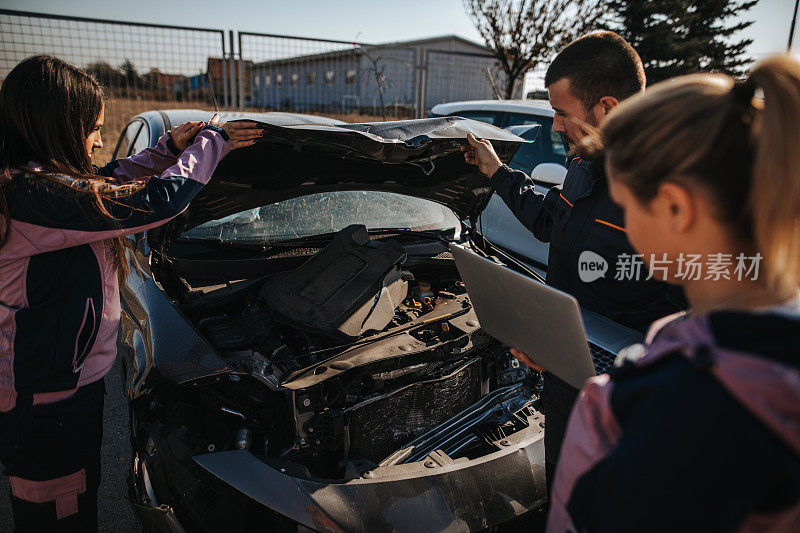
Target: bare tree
[
  {"x": 524, "y": 33},
  {"x": 378, "y": 69},
  {"x": 381, "y": 79}
]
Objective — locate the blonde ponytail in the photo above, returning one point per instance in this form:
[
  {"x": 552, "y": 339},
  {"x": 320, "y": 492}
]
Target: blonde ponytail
[
  {"x": 722, "y": 136},
  {"x": 774, "y": 199}
]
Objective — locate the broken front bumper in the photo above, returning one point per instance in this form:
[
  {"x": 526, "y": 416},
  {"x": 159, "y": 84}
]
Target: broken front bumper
[{"x": 435, "y": 493}]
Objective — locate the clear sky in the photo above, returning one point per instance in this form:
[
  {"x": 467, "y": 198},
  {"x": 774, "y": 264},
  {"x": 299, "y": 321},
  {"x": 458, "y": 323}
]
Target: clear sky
[{"x": 371, "y": 21}]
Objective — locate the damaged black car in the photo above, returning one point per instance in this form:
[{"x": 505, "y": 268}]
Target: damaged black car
[{"x": 300, "y": 352}]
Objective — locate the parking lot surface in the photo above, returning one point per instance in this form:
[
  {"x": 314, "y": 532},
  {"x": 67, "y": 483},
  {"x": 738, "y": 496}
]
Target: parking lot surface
[{"x": 114, "y": 511}]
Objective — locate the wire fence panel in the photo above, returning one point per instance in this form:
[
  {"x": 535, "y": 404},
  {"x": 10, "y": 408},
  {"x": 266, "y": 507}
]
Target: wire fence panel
[
  {"x": 388, "y": 76},
  {"x": 155, "y": 67},
  {"x": 454, "y": 76},
  {"x": 144, "y": 66},
  {"x": 350, "y": 81},
  {"x": 297, "y": 74},
  {"x": 356, "y": 81}
]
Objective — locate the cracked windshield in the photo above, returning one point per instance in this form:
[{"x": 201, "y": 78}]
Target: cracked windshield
[{"x": 328, "y": 212}]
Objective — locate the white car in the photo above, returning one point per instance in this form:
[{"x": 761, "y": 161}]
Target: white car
[{"x": 544, "y": 160}]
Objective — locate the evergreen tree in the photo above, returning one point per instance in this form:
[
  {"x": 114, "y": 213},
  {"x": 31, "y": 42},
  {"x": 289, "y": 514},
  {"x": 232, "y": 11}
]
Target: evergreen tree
[
  {"x": 129, "y": 73},
  {"x": 675, "y": 37}
]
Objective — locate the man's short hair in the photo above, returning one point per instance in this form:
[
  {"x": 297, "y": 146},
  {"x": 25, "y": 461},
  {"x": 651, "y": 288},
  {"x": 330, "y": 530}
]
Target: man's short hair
[{"x": 597, "y": 65}]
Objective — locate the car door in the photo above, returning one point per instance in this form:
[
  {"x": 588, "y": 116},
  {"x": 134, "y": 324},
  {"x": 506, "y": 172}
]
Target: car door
[
  {"x": 133, "y": 139},
  {"x": 499, "y": 225}
]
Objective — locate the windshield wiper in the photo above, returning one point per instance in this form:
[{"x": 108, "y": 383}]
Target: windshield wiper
[
  {"x": 439, "y": 235},
  {"x": 216, "y": 241}
]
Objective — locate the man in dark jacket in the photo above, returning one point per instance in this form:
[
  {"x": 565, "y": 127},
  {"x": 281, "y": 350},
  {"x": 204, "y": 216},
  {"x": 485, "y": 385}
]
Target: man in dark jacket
[{"x": 586, "y": 81}]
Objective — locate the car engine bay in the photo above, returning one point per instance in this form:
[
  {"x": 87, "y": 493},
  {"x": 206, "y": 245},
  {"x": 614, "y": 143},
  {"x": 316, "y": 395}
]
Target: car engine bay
[{"x": 345, "y": 357}]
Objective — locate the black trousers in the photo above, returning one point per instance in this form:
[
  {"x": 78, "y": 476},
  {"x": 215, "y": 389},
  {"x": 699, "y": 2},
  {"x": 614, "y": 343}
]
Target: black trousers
[
  {"x": 558, "y": 397},
  {"x": 51, "y": 453}
]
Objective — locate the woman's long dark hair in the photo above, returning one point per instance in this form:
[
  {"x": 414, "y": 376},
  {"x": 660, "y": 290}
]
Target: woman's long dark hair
[{"x": 48, "y": 108}]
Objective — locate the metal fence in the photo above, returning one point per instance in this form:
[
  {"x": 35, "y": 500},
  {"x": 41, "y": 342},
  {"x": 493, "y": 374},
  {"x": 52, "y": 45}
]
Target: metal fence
[
  {"x": 452, "y": 76},
  {"x": 151, "y": 66},
  {"x": 303, "y": 74},
  {"x": 142, "y": 65},
  {"x": 395, "y": 80}
]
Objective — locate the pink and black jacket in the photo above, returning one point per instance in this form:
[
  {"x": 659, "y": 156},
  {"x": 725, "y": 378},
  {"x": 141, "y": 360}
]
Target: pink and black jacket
[
  {"x": 59, "y": 294},
  {"x": 700, "y": 433}
]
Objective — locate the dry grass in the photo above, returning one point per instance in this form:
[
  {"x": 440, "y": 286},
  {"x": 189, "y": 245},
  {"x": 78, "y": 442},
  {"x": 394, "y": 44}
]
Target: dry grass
[{"x": 119, "y": 112}]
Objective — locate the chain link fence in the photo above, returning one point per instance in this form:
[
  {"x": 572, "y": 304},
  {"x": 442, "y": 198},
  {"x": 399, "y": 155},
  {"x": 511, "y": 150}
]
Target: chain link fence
[
  {"x": 304, "y": 75},
  {"x": 362, "y": 81},
  {"x": 452, "y": 76},
  {"x": 143, "y": 66},
  {"x": 151, "y": 66}
]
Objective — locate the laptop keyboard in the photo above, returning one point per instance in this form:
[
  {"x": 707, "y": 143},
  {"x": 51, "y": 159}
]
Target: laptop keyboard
[{"x": 603, "y": 359}]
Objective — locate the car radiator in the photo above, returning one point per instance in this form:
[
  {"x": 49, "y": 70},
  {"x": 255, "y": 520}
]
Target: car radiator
[{"x": 378, "y": 426}]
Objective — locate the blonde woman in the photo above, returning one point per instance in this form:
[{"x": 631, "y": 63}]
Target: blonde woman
[{"x": 700, "y": 429}]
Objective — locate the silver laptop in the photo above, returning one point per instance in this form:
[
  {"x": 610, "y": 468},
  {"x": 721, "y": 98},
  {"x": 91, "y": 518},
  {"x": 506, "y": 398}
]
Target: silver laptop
[{"x": 540, "y": 321}]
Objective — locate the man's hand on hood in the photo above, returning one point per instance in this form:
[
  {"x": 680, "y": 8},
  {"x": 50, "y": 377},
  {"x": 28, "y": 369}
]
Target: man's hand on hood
[{"x": 480, "y": 152}]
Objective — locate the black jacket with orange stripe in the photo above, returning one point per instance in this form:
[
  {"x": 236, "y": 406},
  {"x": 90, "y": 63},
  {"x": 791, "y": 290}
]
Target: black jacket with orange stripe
[{"x": 581, "y": 216}]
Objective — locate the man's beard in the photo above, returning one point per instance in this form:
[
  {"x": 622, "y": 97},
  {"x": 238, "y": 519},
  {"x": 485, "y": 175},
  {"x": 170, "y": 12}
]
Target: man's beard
[
  {"x": 568, "y": 144},
  {"x": 572, "y": 144}
]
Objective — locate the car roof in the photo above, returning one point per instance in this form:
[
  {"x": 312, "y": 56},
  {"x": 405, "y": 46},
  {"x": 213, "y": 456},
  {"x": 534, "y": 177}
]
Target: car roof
[
  {"x": 179, "y": 116},
  {"x": 527, "y": 107}
]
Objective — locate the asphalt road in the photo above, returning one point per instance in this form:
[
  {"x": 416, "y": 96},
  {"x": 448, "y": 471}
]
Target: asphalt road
[{"x": 114, "y": 511}]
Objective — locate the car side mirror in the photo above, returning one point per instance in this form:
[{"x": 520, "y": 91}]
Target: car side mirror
[{"x": 549, "y": 173}]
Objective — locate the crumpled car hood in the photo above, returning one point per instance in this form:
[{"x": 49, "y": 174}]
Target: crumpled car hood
[{"x": 420, "y": 158}]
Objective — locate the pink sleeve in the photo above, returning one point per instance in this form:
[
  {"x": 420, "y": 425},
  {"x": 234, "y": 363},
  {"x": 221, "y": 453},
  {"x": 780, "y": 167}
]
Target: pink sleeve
[{"x": 148, "y": 162}]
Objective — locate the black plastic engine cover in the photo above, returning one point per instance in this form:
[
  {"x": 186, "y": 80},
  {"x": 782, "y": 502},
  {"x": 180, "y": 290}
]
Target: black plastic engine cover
[{"x": 352, "y": 286}]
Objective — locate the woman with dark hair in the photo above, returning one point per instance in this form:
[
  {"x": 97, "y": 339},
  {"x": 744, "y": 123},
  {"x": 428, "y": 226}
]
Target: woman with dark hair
[
  {"x": 699, "y": 429},
  {"x": 62, "y": 228}
]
